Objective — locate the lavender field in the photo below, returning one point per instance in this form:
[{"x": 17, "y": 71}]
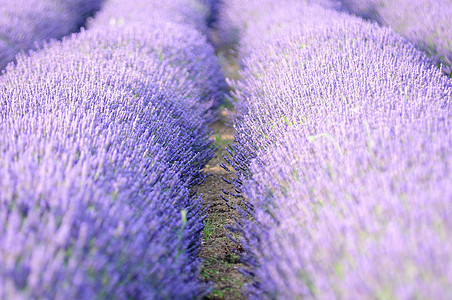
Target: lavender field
[{"x": 337, "y": 183}]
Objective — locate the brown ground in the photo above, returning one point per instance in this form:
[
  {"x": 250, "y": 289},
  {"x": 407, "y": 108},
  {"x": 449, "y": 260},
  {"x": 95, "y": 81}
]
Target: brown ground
[
  {"x": 221, "y": 263},
  {"x": 219, "y": 253}
]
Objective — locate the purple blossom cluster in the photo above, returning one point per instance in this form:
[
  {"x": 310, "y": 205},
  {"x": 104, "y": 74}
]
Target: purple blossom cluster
[
  {"x": 103, "y": 137},
  {"x": 426, "y": 23},
  {"x": 25, "y": 25},
  {"x": 343, "y": 154}
]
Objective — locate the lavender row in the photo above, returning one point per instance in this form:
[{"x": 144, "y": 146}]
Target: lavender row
[
  {"x": 188, "y": 13},
  {"x": 25, "y": 25},
  {"x": 426, "y": 23},
  {"x": 235, "y": 16},
  {"x": 102, "y": 137},
  {"x": 343, "y": 156}
]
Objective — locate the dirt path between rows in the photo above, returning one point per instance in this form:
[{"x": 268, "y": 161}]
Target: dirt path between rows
[
  {"x": 221, "y": 263},
  {"x": 219, "y": 253}
]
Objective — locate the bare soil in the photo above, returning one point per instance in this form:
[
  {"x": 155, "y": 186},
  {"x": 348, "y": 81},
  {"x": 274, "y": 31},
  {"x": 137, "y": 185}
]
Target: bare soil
[{"x": 219, "y": 253}]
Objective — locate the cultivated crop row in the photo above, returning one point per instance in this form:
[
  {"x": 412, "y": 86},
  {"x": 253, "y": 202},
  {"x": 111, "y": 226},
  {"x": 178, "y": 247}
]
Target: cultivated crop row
[
  {"x": 27, "y": 24},
  {"x": 343, "y": 155},
  {"x": 426, "y": 23},
  {"x": 102, "y": 136}
]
